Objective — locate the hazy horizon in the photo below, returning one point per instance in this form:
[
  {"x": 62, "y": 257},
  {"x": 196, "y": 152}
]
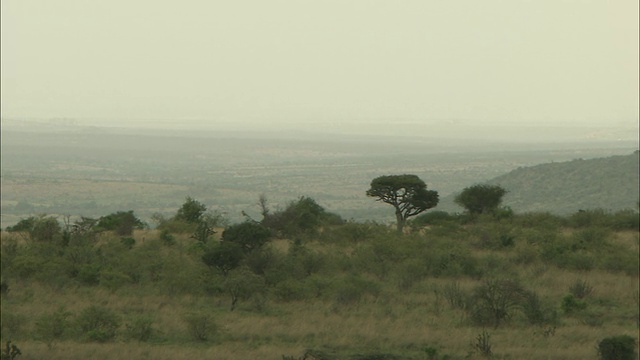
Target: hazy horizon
[{"x": 299, "y": 65}]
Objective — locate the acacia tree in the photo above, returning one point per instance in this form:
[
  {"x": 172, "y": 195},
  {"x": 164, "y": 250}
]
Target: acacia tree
[
  {"x": 408, "y": 194},
  {"x": 481, "y": 198}
]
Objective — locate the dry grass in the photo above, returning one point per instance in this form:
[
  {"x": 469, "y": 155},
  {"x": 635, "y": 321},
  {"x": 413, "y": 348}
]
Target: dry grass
[{"x": 393, "y": 322}]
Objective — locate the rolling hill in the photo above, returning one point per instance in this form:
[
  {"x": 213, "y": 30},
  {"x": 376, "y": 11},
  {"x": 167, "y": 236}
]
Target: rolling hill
[{"x": 609, "y": 183}]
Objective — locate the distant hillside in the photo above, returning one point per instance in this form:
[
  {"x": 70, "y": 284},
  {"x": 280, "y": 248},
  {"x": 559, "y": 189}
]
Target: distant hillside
[{"x": 609, "y": 183}]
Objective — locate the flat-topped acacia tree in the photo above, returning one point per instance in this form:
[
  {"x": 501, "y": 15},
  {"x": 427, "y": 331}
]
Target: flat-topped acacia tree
[{"x": 408, "y": 194}]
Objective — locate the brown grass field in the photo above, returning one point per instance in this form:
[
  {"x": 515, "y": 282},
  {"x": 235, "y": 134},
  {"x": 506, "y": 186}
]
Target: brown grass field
[{"x": 395, "y": 321}]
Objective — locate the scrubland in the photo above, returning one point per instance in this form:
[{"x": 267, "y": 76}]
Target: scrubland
[{"x": 523, "y": 286}]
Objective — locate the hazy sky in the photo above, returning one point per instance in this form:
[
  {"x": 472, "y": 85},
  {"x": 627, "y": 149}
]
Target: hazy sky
[{"x": 556, "y": 61}]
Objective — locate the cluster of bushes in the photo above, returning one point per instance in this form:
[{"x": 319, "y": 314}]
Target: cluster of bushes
[{"x": 346, "y": 263}]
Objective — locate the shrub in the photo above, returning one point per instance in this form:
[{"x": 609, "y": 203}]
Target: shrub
[
  {"x": 52, "y": 327},
  {"x": 113, "y": 280},
  {"x": 224, "y": 256},
  {"x": 580, "y": 289},
  {"x": 302, "y": 217},
  {"x": 496, "y": 301},
  {"x": 248, "y": 235},
  {"x": 140, "y": 328},
  {"x": 98, "y": 323},
  {"x": 122, "y": 223},
  {"x": 12, "y": 324},
  {"x": 571, "y": 305},
  {"x": 456, "y": 297},
  {"x": 621, "y": 347},
  {"x": 242, "y": 284},
  {"x": 128, "y": 242},
  {"x": 200, "y": 325},
  {"x": 166, "y": 238},
  {"x": 352, "y": 289},
  {"x": 535, "y": 311},
  {"x": 483, "y": 344}
]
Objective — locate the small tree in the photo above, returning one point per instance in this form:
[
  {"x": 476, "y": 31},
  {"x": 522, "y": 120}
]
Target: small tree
[
  {"x": 191, "y": 211},
  {"x": 481, "y": 198},
  {"x": 248, "y": 235},
  {"x": 408, "y": 194},
  {"x": 122, "y": 222},
  {"x": 224, "y": 256}
]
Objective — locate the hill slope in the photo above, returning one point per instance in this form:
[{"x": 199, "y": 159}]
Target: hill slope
[{"x": 609, "y": 183}]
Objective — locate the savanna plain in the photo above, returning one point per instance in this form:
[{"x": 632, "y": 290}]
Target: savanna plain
[{"x": 118, "y": 268}]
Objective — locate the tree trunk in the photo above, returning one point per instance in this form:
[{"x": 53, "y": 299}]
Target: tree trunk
[{"x": 399, "y": 221}]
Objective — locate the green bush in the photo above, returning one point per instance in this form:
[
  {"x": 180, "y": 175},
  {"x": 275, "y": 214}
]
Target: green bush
[
  {"x": 290, "y": 290},
  {"x": 12, "y": 324},
  {"x": 140, "y": 328},
  {"x": 572, "y": 305},
  {"x": 98, "y": 323},
  {"x": 621, "y": 347},
  {"x": 353, "y": 289},
  {"x": 200, "y": 326},
  {"x": 52, "y": 327},
  {"x": 496, "y": 301}
]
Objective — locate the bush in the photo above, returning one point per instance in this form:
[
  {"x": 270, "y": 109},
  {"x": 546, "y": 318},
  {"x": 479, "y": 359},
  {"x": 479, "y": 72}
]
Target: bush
[
  {"x": 496, "y": 301},
  {"x": 571, "y": 305},
  {"x": 52, "y": 327},
  {"x": 200, "y": 325},
  {"x": 352, "y": 289},
  {"x": 248, "y": 235},
  {"x": 455, "y": 296},
  {"x": 302, "y": 217},
  {"x": 580, "y": 289},
  {"x": 122, "y": 223},
  {"x": 98, "y": 323},
  {"x": 140, "y": 328},
  {"x": 620, "y": 347}
]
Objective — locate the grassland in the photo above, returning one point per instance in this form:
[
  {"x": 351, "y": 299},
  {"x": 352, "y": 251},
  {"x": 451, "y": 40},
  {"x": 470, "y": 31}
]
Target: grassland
[{"x": 371, "y": 292}]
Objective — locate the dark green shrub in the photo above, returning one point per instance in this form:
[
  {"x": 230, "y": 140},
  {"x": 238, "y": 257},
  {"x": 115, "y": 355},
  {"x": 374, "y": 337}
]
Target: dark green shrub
[
  {"x": 353, "y": 232},
  {"x": 535, "y": 311},
  {"x": 572, "y": 305},
  {"x": 166, "y": 238},
  {"x": 12, "y": 324},
  {"x": 580, "y": 289},
  {"x": 431, "y": 218},
  {"x": 122, "y": 223},
  {"x": 301, "y": 217},
  {"x": 200, "y": 326},
  {"x": 621, "y": 347},
  {"x": 224, "y": 256},
  {"x": 191, "y": 211},
  {"x": 52, "y": 327},
  {"x": 128, "y": 242},
  {"x": 290, "y": 290},
  {"x": 543, "y": 220},
  {"x": 113, "y": 279},
  {"x": 140, "y": 328},
  {"x": 89, "y": 274},
  {"x": 353, "y": 289},
  {"x": 496, "y": 301},
  {"x": 242, "y": 284},
  {"x": 248, "y": 235},
  {"x": 455, "y": 296},
  {"x": 98, "y": 323}
]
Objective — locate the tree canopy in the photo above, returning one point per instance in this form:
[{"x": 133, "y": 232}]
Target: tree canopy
[
  {"x": 408, "y": 194},
  {"x": 480, "y": 198},
  {"x": 191, "y": 211}
]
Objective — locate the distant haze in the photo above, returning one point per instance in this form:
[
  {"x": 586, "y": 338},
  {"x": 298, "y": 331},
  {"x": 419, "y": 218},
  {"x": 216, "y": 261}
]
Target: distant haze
[{"x": 380, "y": 66}]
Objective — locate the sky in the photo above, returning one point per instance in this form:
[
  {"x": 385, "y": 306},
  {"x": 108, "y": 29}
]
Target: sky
[{"x": 345, "y": 63}]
